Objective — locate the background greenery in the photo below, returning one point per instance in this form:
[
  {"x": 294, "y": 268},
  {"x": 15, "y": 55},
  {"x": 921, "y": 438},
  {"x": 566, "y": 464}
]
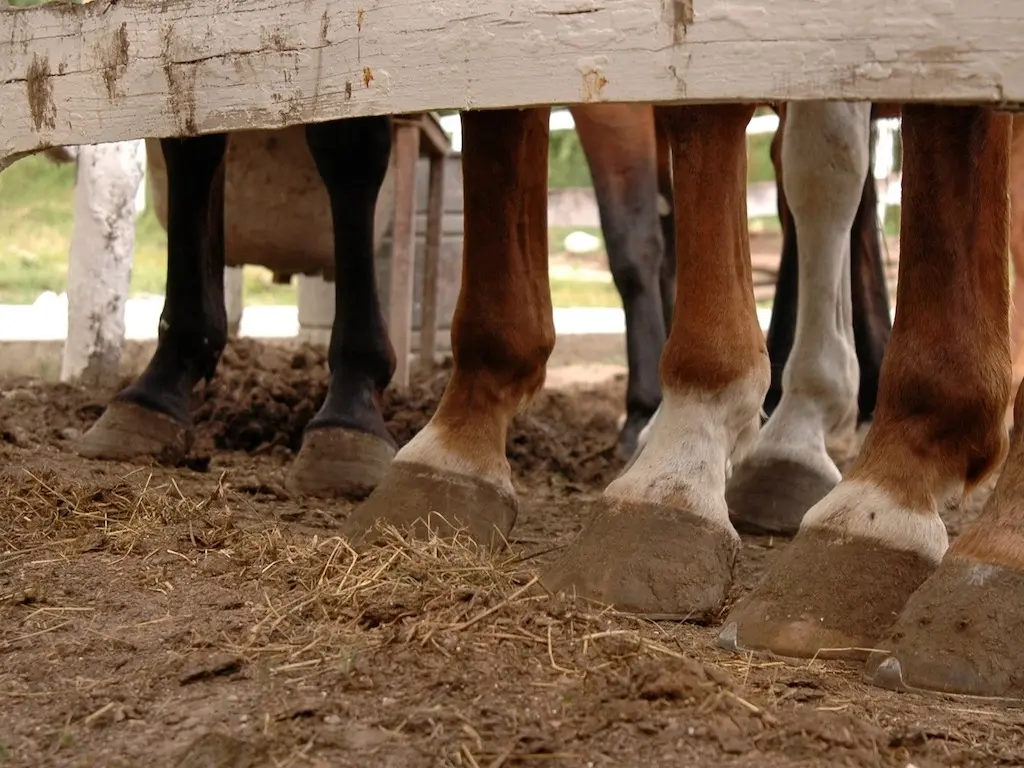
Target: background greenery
[{"x": 36, "y": 215}]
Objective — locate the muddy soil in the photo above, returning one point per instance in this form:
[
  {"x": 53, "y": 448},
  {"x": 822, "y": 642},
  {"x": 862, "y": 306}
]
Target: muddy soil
[{"x": 199, "y": 616}]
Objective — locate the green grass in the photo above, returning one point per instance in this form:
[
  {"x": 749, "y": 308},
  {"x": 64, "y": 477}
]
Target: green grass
[
  {"x": 759, "y": 160},
  {"x": 35, "y": 232}
]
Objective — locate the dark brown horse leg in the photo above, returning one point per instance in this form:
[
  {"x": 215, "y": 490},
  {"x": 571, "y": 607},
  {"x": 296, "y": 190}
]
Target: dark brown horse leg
[
  {"x": 619, "y": 142},
  {"x": 666, "y": 208},
  {"x": 872, "y": 321}
]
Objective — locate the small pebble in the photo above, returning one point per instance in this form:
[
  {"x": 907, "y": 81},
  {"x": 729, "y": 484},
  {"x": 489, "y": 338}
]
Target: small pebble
[{"x": 16, "y": 436}]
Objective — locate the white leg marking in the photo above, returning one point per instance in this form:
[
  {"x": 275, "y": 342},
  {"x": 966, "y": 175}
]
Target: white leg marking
[
  {"x": 825, "y": 156},
  {"x": 856, "y": 508},
  {"x": 744, "y": 443},
  {"x": 428, "y": 447},
  {"x": 687, "y": 448}
]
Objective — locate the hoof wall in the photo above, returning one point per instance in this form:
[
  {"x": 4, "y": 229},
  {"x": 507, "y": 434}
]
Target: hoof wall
[
  {"x": 338, "y": 462},
  {"x": 424, "y": 500},
  {"x": 128, "y": 431},
  {"x": 648, "y": 559},
  {"x": 826, "y": 596},
  {"x": 960, "y": 633}
]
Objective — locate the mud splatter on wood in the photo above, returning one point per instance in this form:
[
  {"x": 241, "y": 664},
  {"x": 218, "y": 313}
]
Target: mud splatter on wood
[
  {"x": 39, "y": 91},
  {"x": 115, "y": 60}
]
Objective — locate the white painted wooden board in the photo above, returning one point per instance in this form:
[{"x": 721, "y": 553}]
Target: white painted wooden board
[{"x": 124, "y": 69}]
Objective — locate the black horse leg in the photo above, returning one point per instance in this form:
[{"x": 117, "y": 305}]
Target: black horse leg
[
  {"x": 346, "y": 447},
  {"x": 151, "y": 416}
]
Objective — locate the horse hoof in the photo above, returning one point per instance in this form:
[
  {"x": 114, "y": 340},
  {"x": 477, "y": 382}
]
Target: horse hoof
[
  {"x": 425, "y": 501},
  {"x": 827, "y": 596},
  {"x": 959, "y": 633},
  {"x": 339, "y": 462},
  {"x": 771, "y": 496},
  {"x": 648, "y": 559},
  {"x": 128, "y": 431}
]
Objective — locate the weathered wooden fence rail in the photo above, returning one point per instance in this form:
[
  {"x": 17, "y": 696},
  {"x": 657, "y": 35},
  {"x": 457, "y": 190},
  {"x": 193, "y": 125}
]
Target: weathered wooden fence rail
[{"x": 123, "y": 69}]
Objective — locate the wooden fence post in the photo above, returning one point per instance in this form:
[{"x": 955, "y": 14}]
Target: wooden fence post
[{"x": 99, "y": 271}]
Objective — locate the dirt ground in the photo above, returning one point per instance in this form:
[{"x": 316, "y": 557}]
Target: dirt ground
[{"x": 200, "y": 617}]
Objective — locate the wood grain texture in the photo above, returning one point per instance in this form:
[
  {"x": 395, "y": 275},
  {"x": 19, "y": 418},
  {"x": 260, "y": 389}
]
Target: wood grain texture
[
  {"x": 123, "y": 69},
  {"x": 432, "y": 261},
  {"x": 403, "y": 249}
]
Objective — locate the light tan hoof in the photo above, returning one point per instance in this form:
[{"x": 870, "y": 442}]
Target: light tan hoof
[
  {"x": 961, "y": 632},
  {"x": 423, "y": 500},
  {"x": 826, "y": 596}
]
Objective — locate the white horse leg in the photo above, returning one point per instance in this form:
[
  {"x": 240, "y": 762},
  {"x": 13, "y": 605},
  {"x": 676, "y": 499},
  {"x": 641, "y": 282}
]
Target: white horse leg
[{"x": 825, "y": 157}]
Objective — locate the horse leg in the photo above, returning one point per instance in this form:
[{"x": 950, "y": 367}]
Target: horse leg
[
  {"x": 454, "y": 474},
  {"x": 151, "y": 416},
  {"x": 871, "y": 542},
  {"x": 619, "y": 143},
  {"x": 1017, "y": 255},
  {"x": 346, "y": 447},
  {"x": 872, "y": 318},
  {"x": 960, "y": 631},
  {"x": 825, "y": 153},
  {"x": 661, "y": 543},
  {"x": 872, "y": 322},
  {"x": 668, "y": 224}
]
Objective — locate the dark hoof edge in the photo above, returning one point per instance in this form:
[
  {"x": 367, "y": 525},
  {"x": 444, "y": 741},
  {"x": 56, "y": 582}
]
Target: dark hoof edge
[{"x": 770, "y": 497}]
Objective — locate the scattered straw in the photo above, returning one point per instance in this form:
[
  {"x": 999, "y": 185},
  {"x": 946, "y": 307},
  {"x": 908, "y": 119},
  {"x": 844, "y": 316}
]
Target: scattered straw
[{"x": 319, "y": 602}]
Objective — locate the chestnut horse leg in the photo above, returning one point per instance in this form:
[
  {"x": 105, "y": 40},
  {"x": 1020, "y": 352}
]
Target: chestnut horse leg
[
  {"x": 454, "y": 474},
  {"x": 865, "y": 548},
  {"x": 1017, "y": 255},
  {"x": 661, "y": 542}
]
